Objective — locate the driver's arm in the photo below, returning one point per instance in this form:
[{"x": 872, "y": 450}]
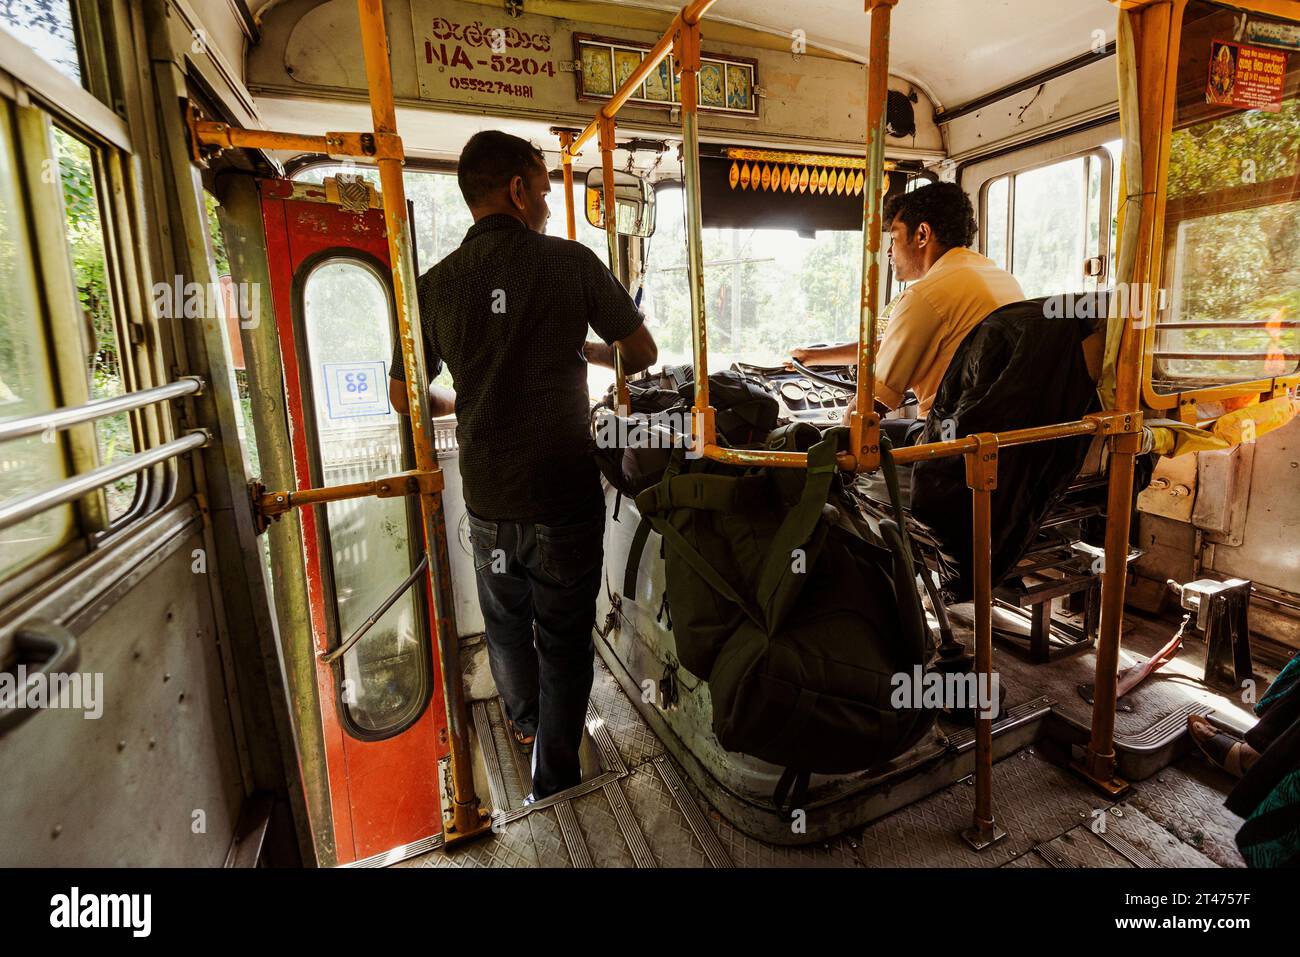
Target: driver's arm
[{"x": 845, "y": 354}]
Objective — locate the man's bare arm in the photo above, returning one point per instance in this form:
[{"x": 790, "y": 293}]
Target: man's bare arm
[
  {"x": 845, "y": 354},
  {"x": 442, "y": 401},
  {"x": 639, "y": 351}
]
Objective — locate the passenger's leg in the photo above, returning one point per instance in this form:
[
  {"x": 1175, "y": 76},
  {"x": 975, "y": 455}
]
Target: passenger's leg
[
  {"x": 564, "y": 564},
  {"x": 505, "y": 597}
]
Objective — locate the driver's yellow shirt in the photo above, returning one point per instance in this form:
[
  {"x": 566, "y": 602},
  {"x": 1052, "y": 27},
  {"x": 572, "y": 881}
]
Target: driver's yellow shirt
[{"x": 931, "y": 318}]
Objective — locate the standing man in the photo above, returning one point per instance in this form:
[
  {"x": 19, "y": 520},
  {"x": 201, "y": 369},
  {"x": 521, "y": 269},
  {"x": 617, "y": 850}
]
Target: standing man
[
  {"x": 953, "y": 289},
  {"x": 508, "y": 311}
]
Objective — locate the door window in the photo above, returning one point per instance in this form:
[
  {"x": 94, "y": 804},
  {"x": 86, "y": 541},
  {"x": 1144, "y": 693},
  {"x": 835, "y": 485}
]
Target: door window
[{"x": 347, "y": 317}]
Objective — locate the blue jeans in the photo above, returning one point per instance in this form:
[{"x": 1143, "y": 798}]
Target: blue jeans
[{"x": 537, "y": 587}]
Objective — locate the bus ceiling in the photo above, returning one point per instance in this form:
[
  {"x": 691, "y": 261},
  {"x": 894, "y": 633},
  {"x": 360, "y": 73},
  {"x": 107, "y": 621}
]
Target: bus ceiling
[{"x": 788, "y": 75}]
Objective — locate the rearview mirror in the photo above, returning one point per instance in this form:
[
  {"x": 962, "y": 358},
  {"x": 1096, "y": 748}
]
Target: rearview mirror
[{"x": 634, "y": 203}]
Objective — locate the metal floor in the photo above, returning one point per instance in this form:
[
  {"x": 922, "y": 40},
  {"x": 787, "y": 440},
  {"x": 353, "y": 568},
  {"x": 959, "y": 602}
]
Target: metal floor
[{"x": 636, "y": 808}]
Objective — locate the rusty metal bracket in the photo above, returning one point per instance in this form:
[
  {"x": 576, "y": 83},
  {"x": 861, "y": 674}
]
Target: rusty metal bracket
[
  {"x": 209, "y": 137},
  {"x": 864, "y": 442},
  {"x": 269, "y": 506},
  {"x": 686, "y": 49},
  {"x": 982, "y": 463},
  {"x": 1116, "y": 423},
  {"x": 1124, "y": 429}
]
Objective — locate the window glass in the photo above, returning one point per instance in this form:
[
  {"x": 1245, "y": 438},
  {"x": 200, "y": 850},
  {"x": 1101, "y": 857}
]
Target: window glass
[
  {"x": 1050, "y": 228},
  {"x": 1232, "y": 225},
  {"x": 102, "y": 347},
  {"x": 995, "y": 220},
  {"x": 46, "y": 27},
  {"x": 1114, "y": 149},
  {"x": 1054, "y": 225},
  {"x": 347, "y": 316},
  {"x": 440, "y": 220},
  {"x": 766, "y": 290},
  {"x": 26, "y": 383}
]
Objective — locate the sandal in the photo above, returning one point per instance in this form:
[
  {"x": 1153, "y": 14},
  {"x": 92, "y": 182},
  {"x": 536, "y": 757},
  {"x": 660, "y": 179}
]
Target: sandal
[
  {"x": 524, "y": 742},
  {"x": 1218, "y": 750}
]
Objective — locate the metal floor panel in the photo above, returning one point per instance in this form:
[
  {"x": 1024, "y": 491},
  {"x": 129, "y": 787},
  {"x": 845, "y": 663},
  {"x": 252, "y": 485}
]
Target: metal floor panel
[
  {"x": 601, "y": 831},
  {"x": 1186, "y": 799},
  {"x": 512, "y": 846},
  {"x": 636, "y": 743},
  {"x": 1083, "y": 849},
  {"x": 746, "y": 851},
  {"x": 506, "y": 755},
  {"x": 633, "y": 817},
  {"x": 1152, "y": 839},
  {"x": 1173, "y": 686},
  {"x": 666, "y": 828},
  {"x": 1028, "y": 859},
  {"x": 1035, "y": 802},
  {"x": 548, "y": 838}
]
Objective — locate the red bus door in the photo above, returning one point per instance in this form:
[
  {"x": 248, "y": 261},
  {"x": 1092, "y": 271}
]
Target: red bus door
[{"x": 381, "y": 705}]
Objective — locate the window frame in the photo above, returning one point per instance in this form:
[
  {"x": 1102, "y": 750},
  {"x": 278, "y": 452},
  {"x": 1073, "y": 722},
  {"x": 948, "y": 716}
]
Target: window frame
[
  {"x": 1157, "y": 135},
  {"x": 307, "y": 387},
  {"x": 41, "y": 98},
  {"x": 1104, "y": 213}
]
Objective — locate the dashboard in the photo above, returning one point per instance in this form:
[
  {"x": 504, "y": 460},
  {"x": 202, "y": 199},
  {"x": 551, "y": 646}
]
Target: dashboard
[{"x": 817, "y": 396}]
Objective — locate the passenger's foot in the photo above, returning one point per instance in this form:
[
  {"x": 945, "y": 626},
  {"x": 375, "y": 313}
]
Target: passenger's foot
[
  {"x": 524, "y": 742},
  {"x": 1222, "y": 750}
]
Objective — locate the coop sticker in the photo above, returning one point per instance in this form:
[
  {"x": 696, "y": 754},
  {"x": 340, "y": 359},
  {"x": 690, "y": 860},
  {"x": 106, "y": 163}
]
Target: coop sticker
[
  {"x": 355, "y": 388},
  {"x": 1245, "y": 77}
]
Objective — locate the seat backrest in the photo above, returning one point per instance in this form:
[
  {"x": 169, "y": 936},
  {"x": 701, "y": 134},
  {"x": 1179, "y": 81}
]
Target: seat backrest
[{"x": 1022, "y": 367}]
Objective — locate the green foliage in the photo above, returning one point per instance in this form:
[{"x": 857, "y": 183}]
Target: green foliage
[
  {"x": 89, "y": 266},
  {"x": 1235, "y": 264},
  {"x": 220, "y": 259}
]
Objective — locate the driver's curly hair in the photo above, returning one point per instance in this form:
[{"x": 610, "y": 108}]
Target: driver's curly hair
[{"x": 945, "y": 206}]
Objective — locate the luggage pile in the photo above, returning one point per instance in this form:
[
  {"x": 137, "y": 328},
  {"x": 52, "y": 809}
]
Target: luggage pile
[{"x": 796, "y": 614}]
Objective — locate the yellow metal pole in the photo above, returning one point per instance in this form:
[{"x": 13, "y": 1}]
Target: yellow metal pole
[
  {"x": 566, "y": 165},
  {"x": 466, "y": 818},
  {"x": 982, "y": 479},
  {"x": 688, "y": 16},
  {"x": 864, "y": 426},
  {"x": 610, "y": 209},
  {"x": 686, "y": 53},
  {"x": 1157, "y": 28}
]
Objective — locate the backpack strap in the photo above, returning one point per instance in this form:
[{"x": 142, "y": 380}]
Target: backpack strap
[
  {"x": 793, "y": 785},
  {"x": 889, "y": 469},
  {"x": 639, "y": 538},
  {"x": 774, "y": 593},
  {"x": 642, "y": 533},
  {"x": 701, "y": 567}
]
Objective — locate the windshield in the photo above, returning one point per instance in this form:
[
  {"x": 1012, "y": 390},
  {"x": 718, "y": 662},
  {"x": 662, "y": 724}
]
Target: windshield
[{"x": 766, "y": 290}]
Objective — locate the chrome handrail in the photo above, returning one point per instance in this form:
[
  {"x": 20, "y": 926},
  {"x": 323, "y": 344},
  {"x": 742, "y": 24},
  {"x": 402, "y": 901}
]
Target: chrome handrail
[
  {"x": 21, "y": 426},
  {"x": 25, "y": 506}
]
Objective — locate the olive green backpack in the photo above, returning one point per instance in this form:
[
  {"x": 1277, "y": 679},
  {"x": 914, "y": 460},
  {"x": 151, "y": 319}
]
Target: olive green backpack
[{"x": 797, "y": 621}]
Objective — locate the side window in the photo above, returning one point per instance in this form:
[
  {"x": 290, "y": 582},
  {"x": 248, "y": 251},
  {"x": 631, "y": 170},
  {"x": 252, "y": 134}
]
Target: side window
[
  {"x": 101, "y": 344},
  {"x": 27, "y": 383},
  {"x": 72, "y": 282},
  {"x": 46, "y": 27},
  {"x": 1050, "y": 225},
  {"x": 1232, "y": 227}
]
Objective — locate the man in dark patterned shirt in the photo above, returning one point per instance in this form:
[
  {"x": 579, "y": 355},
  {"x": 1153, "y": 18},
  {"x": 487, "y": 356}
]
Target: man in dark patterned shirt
[{"x": 508, "y": 311}]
